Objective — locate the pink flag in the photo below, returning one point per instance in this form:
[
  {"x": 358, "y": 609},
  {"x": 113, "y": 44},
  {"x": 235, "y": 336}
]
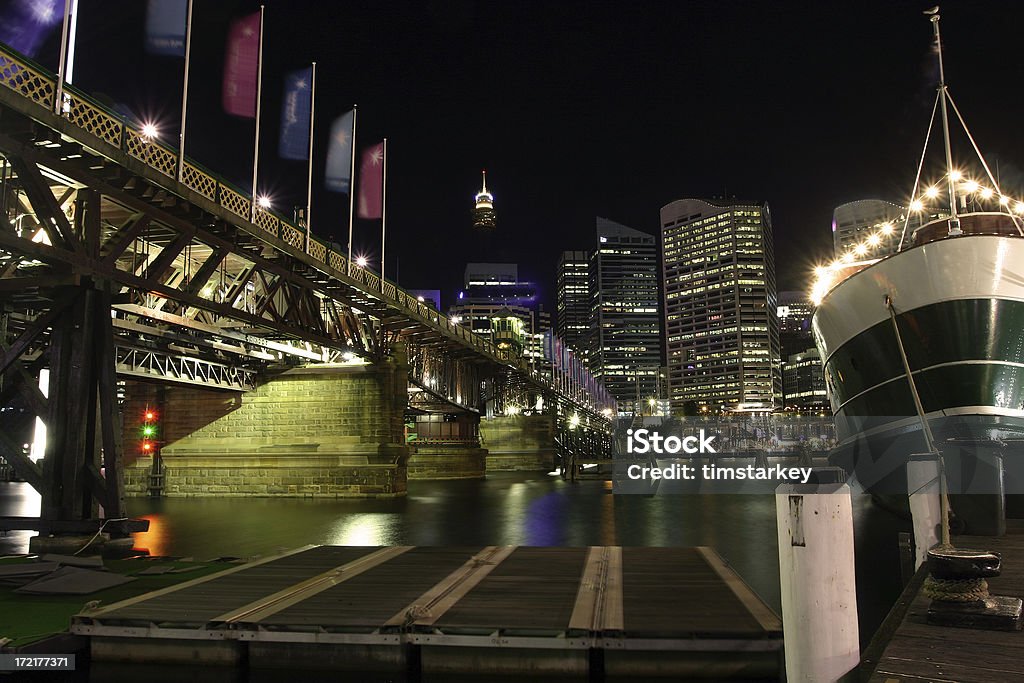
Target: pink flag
[
  {"x": 241, "y": 62},
  {"x": 371, "y": 182}
]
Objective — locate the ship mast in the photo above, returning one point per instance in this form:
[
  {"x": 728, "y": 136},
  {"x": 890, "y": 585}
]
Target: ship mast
[{"x": 954, "y": 220}]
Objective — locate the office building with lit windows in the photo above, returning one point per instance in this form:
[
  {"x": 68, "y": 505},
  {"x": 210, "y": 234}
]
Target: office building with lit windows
[
  {"x": 803, "y": 378},
  {"x": 495, "y": 291},
  {"x": 854, "y": 222},
  {"x": 794, "y": 311},
  {"x": 719, "y": 302},
  {"x": 803, "y": 381},
  {"x": 573, "y": 300},
  {"x": 625, "y": 322}
]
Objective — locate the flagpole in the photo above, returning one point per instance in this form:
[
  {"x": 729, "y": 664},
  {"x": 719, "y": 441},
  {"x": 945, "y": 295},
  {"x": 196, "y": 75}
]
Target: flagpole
[
  {"x": 383, "y": 208},
  {"x": 259, "y": 89},
  {"x": 58, "y": 96},
  {"x": 351, "y": 188},
  {"x": 69, "y": 75},
  {"x": 184, "y": 92},
  {"x": 309, "y": 175}
]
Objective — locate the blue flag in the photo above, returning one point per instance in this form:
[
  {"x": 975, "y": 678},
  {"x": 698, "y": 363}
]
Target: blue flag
[
  {"x": 295, "y": 111},
  {"x": 165, "y": 27},
  {"x": 27, "y": 23},
  {"x": 338, "y": 175}
]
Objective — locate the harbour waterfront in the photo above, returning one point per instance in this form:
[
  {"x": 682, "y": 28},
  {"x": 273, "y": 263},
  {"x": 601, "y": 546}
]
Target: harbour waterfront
[{"x": 504, "y": 509}]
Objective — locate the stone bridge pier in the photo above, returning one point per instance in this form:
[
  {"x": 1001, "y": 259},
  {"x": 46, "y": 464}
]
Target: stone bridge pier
[
  {"x": 318, "y": 431},
  {"x": 520, "y": 442}
]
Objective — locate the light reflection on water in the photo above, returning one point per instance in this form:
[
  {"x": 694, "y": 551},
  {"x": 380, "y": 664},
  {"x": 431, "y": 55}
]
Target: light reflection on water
[{"x": 505, "y": 509}]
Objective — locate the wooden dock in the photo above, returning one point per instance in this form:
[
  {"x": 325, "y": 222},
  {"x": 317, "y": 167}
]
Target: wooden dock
[
  {"x": 598, "y": 612},
  {"x": 907, "y": 649}
]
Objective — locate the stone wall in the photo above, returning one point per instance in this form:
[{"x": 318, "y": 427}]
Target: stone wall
[
  {"x": 520, "y": 442},
  {"x": 332, "y": 431},
  {"x": 447, "y": 461}
]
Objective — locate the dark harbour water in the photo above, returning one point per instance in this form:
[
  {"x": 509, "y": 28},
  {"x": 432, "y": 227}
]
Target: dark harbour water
[{"x": 504, "y": 509}]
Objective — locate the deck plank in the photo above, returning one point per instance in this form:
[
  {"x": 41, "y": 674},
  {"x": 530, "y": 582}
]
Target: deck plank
[{"x": 919, "y": 651}]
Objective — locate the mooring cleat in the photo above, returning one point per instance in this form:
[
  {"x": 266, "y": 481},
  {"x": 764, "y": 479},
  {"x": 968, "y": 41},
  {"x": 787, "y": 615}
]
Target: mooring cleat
[{"x": 962, "y": 563}]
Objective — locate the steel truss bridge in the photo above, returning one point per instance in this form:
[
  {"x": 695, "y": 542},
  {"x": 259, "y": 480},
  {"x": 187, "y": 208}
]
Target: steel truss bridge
[{"x": 113, "y": 265}]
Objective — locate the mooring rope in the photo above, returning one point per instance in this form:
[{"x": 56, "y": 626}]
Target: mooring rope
[{"x": 955, "y": 590}]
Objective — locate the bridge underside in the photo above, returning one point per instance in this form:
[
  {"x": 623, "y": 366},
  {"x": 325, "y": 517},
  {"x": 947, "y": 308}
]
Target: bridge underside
[{"x": 115, "y": 268}]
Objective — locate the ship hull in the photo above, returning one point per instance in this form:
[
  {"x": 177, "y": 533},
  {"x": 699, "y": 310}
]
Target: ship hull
[{"x": 960, "y": 310}]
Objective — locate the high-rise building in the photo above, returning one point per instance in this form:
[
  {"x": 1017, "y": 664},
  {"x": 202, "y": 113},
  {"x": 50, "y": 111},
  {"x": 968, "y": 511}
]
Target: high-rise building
[
  {"x": 854, "y": 222},
  {"x": 625, "y": 354},
  {"x": 803, "y": 381},
  {"x": 483, "y": 207},
  {"x": 721, "y": 329},
  {"x": 573, "y": 299},
  {"x": 494, "y": 291},
  {"x": 794, "y": 311},
  {"x": 803, "y": 377}
]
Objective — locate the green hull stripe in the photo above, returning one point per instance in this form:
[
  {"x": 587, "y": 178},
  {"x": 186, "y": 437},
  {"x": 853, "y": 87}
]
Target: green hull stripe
[
  {"x": 952, "y": 386},
  {"x": 946, "y": 332}
]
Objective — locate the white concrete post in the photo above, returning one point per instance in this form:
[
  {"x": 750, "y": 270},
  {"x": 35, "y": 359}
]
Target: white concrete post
[{"x": 819, "y": 592}]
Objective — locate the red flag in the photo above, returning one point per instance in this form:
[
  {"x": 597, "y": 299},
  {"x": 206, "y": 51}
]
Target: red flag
[
  {"x": 371, "y": 182},
  {"x": 241, "y": 62}
]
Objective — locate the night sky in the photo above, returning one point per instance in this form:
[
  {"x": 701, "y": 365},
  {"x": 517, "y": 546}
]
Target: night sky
[{"x": 584, "y": 109}]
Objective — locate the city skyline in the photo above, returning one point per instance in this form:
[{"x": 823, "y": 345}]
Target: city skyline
[{"x": 462, "y": 87}]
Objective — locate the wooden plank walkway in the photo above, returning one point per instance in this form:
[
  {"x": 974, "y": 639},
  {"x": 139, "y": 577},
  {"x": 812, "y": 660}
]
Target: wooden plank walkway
[
  {"x": 586, "y": 612},
  {"x": 909, "y": 650}
]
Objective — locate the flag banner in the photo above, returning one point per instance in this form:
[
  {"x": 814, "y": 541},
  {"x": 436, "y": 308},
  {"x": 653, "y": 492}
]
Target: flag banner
[
  {"x": 371, "y": 182},
  {"x": 295, "y": 111},
  {"x": 339, "y": 155},
  {"x": 165, "y": 27},
  {"x": 27, "y": 23},
  {"x": 241, "y": 63}
]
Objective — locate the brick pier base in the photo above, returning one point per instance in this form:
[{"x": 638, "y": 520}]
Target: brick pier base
[{"x": 321, "y": 431}]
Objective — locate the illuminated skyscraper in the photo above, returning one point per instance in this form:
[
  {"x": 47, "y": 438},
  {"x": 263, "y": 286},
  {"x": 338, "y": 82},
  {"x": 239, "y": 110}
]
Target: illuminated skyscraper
[
  {"x": 803, "y": 378},
  {"x": 854, "y": 221},
  {"x": 721, "y": 326},
  {"x": 795, "y": 311},
  {"x": 573, "y": 300},
  {"x": 483, "y": 210},
  {"x": 625, "y": 323},
  {"x": 495, "y": 291}
]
